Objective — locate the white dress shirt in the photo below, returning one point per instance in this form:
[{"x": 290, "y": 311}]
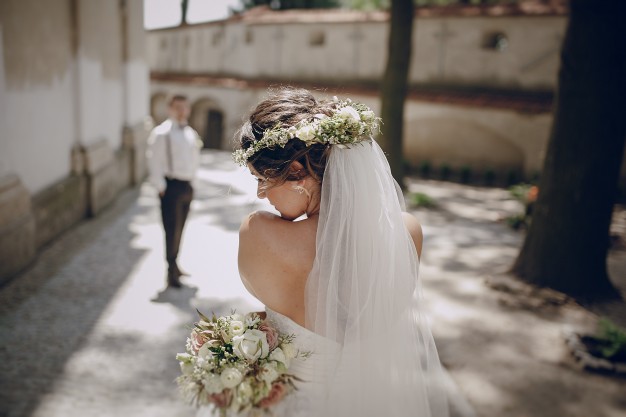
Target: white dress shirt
[{"x": 184, "y": 145}]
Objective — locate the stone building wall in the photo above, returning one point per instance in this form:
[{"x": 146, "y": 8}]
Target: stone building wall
[
  {"x": 511, "y": 52},
  {"x": 74, "y": 85},
  {"x": 482, "y": 79}
]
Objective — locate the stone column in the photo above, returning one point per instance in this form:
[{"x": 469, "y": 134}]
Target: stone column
[{"x": 136, "y": 87}]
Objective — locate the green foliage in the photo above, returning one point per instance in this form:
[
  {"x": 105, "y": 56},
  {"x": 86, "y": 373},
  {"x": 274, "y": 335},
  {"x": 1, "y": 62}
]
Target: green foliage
[
  {"x": 512, "y": 177},
  {"x": 422, "y": 200},
  {"x": 466, "y": 174},
  {"x": 517, "y": 221},
  {"x": 291, "y": 4},
  {"x": 445, "y": 171},
  {"x": 613, "y": 338},
  {"x": 425, "y": 169},
  {"x": 489, "y": 176},
  {"x": 469, "y": 2},
  {"x": 520, "y": 191},
  {"x": 366, "y": 4}
]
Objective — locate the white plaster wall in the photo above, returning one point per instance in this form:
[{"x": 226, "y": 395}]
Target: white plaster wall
[
  {"x": 4, "y": 151},
  {"x": 481, "y": 138},
  {"x": 38, "y": 132},
  {"x": 137, "y": 85},
  {"x": 445, "y": 50},
  {"x": 42, "y": 119},
  {"x": 101, "y": 98},
  {"x": 136, "y": 71},
  {"x": 530, "y": 60}
]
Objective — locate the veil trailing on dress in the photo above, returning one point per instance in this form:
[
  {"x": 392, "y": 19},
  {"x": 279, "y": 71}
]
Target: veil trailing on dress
[{"x": 363, "y": 295}]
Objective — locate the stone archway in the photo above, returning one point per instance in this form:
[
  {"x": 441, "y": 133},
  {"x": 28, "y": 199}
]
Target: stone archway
[
  {"x": 158, "y": 107},
  {"x": 208, "y": 120}
]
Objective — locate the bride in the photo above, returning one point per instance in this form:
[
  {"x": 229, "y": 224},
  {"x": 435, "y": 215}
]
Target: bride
[{"x": 339, "y": 267}]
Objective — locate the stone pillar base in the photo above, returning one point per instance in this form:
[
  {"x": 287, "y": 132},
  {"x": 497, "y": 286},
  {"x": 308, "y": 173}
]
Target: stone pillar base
[
  {"x": 17, "y": 227},
  {"x": 102, "y": 174},
  {"x": 59, "y": 207}
]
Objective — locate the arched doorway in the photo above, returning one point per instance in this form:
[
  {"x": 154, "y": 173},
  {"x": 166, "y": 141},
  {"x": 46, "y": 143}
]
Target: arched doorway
[
  {"x": 158, "y": 107},
  {"x": 208, "y": 120}
]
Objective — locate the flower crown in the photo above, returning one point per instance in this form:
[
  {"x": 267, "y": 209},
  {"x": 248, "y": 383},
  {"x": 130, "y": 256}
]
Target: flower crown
[{"x": 350, "y": 123}]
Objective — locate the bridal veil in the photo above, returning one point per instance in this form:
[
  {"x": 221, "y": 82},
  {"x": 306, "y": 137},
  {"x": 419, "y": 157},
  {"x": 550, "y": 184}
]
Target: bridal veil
[{"x": 363, "y": 294}]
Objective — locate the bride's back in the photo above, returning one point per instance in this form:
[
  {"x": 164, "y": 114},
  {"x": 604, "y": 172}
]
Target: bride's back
[{"x": 275, "y": 259}]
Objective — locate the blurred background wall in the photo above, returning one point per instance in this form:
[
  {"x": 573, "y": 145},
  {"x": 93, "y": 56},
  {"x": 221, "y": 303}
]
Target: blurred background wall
[
  {"x": 74, "y": 88},
  {"x": 482, "y": 78}
]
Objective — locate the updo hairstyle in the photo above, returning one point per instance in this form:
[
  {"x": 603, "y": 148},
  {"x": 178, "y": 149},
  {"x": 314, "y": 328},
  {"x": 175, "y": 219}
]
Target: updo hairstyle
[{"x": 286, "y": 106}]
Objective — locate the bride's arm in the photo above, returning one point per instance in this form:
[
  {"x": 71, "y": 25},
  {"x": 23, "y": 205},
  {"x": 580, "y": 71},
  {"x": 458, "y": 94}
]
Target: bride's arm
[{"x": 415, "y": 230}]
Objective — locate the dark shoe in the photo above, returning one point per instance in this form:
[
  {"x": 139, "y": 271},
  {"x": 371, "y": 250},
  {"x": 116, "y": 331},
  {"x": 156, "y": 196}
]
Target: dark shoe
[{"x": 174, "y": 281}]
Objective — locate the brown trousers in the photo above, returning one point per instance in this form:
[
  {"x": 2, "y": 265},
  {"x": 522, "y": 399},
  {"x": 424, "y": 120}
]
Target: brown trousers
[{"x": 174, "y": 210}]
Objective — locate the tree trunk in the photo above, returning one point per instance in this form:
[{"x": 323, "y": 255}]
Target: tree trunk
[
  {"x": 567, "y": 242},
  {"x": 184, "y": 7},
  {"x": 394, "y": 85}
]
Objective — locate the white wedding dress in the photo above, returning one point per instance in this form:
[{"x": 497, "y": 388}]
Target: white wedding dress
[
  {"x": 310, "y": 370},
  {"x": 373, "y": 353}
]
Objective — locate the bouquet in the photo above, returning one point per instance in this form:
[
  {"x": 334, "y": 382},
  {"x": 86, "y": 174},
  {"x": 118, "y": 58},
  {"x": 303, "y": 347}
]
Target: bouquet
[{"x": 237, "y": 363}]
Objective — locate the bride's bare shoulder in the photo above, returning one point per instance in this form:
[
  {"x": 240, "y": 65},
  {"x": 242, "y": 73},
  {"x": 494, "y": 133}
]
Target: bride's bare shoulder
[
  {"x": 260, "y": 225},
  {"x": 415, "y": 230}
]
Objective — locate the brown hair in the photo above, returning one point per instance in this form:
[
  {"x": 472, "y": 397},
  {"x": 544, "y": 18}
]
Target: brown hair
[
  {"x": 286, "y": 107},
  {"x": 176, "y": 97}
]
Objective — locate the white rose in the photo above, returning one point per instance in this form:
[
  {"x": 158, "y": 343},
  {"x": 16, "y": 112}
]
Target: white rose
[
  {"x": 186, "y": 368},
  {"x": 269, "y": 372},
  {"x": 367, "y": 115},
  {"x": 279, "y": 356},
  {"x": 231, "y": 377},
  {"x": 213, "y": 384},
  {"x": 204, "y": 352},
  {"x": 306, "y": 133},
  {"x": 348, "y": 112},
  {"x": 236, "y": 327},
  {"x": 251, "y": 345},
  {"x": 289, "y": 351}
]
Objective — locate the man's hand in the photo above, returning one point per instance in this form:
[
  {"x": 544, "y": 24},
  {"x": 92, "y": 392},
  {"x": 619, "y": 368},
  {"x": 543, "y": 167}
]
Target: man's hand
[{"x": 161, "y": 194}]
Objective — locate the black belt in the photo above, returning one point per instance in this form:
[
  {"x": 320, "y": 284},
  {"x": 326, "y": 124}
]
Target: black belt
[{"x": 175, "y": 180}]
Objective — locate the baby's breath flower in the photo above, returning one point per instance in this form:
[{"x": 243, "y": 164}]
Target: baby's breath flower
[{"x": 351, "y": 123}]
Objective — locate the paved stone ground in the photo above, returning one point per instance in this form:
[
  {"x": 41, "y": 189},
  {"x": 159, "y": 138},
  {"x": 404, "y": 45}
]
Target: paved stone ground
[{"x": 89, "y": 330}]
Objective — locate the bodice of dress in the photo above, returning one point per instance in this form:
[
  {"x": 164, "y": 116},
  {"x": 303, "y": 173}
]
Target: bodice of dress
[{"x": 310, "y": 370}]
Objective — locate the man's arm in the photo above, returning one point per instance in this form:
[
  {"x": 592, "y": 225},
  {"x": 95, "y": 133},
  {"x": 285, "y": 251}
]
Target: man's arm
[{"x": 156, "y": 161}]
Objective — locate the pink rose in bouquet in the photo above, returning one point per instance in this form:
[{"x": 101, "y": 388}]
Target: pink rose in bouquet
[
  {"x": 271, "y": 334},
  {"x": 223, "y": 399},
  {"x": 276, "y": 394}
]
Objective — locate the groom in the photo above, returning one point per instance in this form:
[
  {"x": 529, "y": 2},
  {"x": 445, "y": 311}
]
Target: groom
[{"x": 173, "y": 157}]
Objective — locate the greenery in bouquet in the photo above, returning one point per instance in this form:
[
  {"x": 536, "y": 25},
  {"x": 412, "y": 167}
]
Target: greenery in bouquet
[{"x": 237, "y": 363}]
